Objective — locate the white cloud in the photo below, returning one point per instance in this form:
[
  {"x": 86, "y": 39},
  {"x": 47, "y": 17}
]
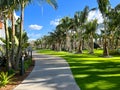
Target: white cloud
[
  {"x": 55, "y": 22},
  {"x": 35, "y": 27},
  {"x": 95, "y": 15},
  {"x": 30, "y": 40},
  {"x": 16, "y": 16},
  {"x": 33, "y": 36}
]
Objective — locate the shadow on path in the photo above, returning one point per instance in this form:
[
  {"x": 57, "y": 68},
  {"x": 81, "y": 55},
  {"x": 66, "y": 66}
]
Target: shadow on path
[{"x": 49, "y": 73}]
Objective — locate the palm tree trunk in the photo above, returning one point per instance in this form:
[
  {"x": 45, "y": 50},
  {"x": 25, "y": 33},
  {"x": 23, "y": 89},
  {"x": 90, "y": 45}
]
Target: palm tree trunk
[
  {"x": 19, "y": 52},
  {"x": 67, "y": 41},
  {"x": 105, "y": 48},
  {"x": 7, "y": 43},
  {"x": 80, "y": 47},
  {"x": 80, "y": 42},
  {"x": 13, "y": 41},
  {"x": 60, "y": 45},
  {"x": 91, "y": 45},
  {"x": 116, "y": 43},
  {"x": 105, "y": 43}
]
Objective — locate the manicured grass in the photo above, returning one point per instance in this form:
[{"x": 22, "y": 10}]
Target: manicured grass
[{"x": 92, "y": 72}]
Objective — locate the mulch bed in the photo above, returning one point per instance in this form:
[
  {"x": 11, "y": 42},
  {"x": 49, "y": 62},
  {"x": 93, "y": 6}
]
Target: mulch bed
[{"x": 17, "y": 79}]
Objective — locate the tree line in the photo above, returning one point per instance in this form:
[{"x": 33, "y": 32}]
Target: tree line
[
  {"x": 15, "y": 36},
  {"x": 77, "y": 33}
]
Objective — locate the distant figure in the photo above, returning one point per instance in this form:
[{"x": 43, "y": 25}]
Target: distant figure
[{"x": 96, "y": 46}]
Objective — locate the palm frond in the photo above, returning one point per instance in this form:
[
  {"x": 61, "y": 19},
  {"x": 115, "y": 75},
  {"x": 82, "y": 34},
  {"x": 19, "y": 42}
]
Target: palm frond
[
  {"x": 53, "y": 3},
  {"x": 3, "y": 40},
  {"x": 16, "y": 40},
  {"x": 1, "y": 49},
  {"x": 103, "y": 6}
]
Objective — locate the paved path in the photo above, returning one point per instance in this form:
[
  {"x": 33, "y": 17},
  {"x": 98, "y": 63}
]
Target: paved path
[{"x": 49, "y": 73}]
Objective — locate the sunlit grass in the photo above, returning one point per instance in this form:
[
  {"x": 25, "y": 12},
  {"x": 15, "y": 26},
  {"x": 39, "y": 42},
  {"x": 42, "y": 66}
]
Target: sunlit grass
[
  {"x": 101, "y": 84},
  {"x": 92, "y": 72}
]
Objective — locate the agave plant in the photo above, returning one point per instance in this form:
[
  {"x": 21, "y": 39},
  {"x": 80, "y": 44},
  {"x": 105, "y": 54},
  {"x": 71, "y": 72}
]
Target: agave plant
[{"x": 5, "y": 78}]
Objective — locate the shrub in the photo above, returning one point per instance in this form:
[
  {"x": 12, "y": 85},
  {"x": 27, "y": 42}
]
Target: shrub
[
  {"x": 27, "y": 64},
  {"x": 3, "y": 61},
  {"x": 114, "y": 52},
  {"x": 118, "y": 50},
  {"x": 5, "y": 78},
  {"x": 11, "y": 71}
]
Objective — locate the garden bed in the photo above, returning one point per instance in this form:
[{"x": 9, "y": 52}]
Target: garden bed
[{"x": 17, "y": 79}]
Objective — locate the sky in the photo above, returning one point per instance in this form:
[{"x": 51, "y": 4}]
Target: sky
[{"x": 40, "y": 19}]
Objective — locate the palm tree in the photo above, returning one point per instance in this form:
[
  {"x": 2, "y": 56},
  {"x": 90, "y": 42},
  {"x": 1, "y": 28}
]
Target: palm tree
[
  {"x": 7, "y": 10},
  {"x": 104, "y": 6},
  {"x": 61, "y": 36},
  {"x": 116, "y": 24},
  {"x": 7, "y": 7},
  {"x": 90, "y": 31},
  {"x": 79, "y": 21},
  {"x": 66, "y": 24},
  {"x": 77, "y": 25},
  {"x": 23, "y": 3},
  {"x": 113, "y": 26},
  {"x": 14, "y": 6},
  {"x": 4, "y": 11},
  {"x": 54, "y": 40}
]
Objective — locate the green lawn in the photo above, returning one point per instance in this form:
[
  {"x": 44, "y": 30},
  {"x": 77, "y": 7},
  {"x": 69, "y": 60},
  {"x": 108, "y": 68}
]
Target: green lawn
[{"x": 92, "y": 72}]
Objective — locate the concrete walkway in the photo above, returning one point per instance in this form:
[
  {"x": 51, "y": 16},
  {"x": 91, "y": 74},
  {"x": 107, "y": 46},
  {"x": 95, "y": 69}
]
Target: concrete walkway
[{"x": 49, "y": 73}]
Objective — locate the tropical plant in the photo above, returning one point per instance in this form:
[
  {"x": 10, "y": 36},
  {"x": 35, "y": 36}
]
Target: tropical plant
[
  {"x": 2, "y": 50},
  {"x": 79, "y": 21},
  {"x": 104, "y": 6},
  {"x": 7, "y": 11},
  {"x": 113, "y": 27},
  {"x": 27, "y": 63},
  {"x": 23, "y": 3},
  {"x": 61, "y": 37},
  {"x": 38, "y": 43},
  {"x": 65, "y": 25},
  {"x": 90, "y": 31},
  {"x": 5, "y": 78}
]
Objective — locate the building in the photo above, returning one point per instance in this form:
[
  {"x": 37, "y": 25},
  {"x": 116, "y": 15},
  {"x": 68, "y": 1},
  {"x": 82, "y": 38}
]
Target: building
[{"x": 2, "y": 31}]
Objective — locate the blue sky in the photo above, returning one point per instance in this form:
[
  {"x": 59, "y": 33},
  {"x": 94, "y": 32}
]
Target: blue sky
[{"x": 41, "y": 19}]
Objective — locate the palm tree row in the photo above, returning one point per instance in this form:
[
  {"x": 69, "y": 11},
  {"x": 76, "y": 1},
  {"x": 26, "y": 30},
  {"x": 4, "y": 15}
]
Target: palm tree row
[
  {"x": 7, "y": 8},
  {"x": 77, "y": 33}
]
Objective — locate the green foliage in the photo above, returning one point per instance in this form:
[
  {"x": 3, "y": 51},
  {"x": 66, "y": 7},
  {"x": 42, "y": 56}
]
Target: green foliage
[
  {"x": 5, "y": 78},
  {"x": 92, "y": 72},
  {"x": 53, "y": 3},
  {"x": 16, "y": 41},
  {"x": 103, "y": 6},
  {"x": 91, "y": 27},
  {"x": 2, "y": 50},
  {"x": 115, "y": 52},
  {"x": 118, "y": 50},
  {"x": 3, "y": 40},
  {"x": 27, "y": 64},
  {"x": 11, "y": 71}
]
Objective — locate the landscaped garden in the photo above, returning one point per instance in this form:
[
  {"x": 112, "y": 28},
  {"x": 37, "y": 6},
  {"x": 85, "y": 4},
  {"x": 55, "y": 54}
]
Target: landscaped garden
[
  {"x": 91, "y": 71},
  {"x": 76, "y": 39},
  {"x": 15, "y": 58},
  {"x": 90, "y": 44}
]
